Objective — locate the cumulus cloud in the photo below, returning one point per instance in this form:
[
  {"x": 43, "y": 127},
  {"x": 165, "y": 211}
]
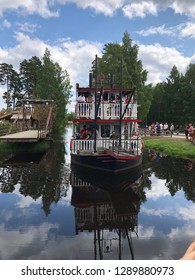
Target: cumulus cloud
[
  {"x": 139, "y": 9},
  {"x": 41, "y": 7},
  {"x": 136, "y": 8},
  {"x": 142, "y": 8},
  {"x": 74, "y": 56},
  {"x": 108, "y": 7},
  {"x": 159, "y": 60},
  {"x": 188, "y": 30}
]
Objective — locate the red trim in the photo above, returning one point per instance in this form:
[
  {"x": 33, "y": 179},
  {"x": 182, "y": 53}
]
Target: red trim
[
  {"x": 104, "y": 121},
  {"x": 85, "y": 89},
  {"x": 114, "y": 160}
]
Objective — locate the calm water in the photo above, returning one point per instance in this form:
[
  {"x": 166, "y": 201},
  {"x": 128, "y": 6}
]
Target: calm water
[{"x": 46, "y": 212}]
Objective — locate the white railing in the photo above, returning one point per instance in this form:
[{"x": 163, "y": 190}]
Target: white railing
[
  {"x": 130, "y": 146},
  {"x": 105, "y": 111}
]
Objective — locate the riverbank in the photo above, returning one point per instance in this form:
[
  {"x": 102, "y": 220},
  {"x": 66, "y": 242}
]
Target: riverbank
[
  {"x": 16, "y": 148},
  {"x": 173, "y": 146}
]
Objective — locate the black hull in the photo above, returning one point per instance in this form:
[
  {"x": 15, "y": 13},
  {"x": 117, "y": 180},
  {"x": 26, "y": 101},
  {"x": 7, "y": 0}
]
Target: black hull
[
  {"x": 105, "y": 179},
  {"x": 106, "y": 162}
]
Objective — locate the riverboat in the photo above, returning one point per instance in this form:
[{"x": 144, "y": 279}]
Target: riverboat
[{"x": 105, "y": 129}]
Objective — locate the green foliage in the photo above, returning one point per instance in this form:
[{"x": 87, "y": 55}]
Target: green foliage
[
  {"x": 13, "y": 86},
  {"x": 129, "y": 75},
  {"x": 70, "y": 116},
  {"x": 174, "y": 100},
  {"x": 38, "y": 79}
]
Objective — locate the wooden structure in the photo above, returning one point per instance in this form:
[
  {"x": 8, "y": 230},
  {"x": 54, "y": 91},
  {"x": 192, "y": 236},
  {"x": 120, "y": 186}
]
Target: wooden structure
[{"x": 31, "y": 123}]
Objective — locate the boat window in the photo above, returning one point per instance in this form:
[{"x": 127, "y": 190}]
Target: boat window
[
  {"x": 105, "y": 131},
  {"x": 117, "y": 129}
]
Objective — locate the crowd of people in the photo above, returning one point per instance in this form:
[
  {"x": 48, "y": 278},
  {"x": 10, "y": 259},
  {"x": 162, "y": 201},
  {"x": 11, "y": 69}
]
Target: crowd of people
[{"x": 158, "y": 128}]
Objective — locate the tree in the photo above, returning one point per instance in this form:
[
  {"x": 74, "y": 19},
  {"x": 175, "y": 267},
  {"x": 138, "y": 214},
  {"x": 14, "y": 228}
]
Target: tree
[
  {"x": 30, "y": 71},
  {"x": 54, "y": 84},
  {"x": 10, "y": 78},
  {"x": 132, "y": 74}
]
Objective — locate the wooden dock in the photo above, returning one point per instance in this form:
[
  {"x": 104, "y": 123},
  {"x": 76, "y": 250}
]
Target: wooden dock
[
  {"x": 32, "y": 122},
  {"x": 25, "y": 136}
]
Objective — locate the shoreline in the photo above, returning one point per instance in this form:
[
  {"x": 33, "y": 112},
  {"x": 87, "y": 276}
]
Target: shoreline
[{"x": 177, "y": 146}]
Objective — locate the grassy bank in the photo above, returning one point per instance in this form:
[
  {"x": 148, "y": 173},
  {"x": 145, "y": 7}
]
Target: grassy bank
[{"x": 178, "y": 147}]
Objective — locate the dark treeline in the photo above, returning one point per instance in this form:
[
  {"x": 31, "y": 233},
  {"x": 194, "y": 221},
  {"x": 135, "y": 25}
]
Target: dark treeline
[{"x": 174, "y": 99}]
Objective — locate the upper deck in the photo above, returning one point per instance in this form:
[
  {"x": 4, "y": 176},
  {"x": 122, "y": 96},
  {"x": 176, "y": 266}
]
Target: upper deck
[{"x": 106, "y": 104}]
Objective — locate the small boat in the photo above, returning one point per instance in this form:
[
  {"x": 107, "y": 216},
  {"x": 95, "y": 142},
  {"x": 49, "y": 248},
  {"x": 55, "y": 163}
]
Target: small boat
[{"x": 105, "y": 129}]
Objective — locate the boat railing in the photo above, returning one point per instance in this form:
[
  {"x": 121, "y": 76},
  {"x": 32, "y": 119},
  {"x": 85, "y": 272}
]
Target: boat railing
[
  {"x": 105, "y": 111},
  {"x": 131, "y": 146}
]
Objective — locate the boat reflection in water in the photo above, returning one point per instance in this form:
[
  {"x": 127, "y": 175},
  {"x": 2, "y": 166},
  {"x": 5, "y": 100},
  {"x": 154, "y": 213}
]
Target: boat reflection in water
[
  {"x": 111, "y": 214},
  {"x": 106, "y": 180}
]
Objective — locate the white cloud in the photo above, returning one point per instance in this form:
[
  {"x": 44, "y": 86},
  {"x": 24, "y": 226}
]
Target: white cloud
[
  {"x": 159, "y": 189},
  {"x": 160, "y": 30},
  {"x": 188, "y": 30},
  {"x": 139, "y": 9},
  {"x": 184, "y": 7},
  {"x": 76, "y": 57},
  {"x": 181, "y": 31},
  {"x": 159, "y": 60},
  {"x": 5, "y": 24},
  {"x": 108, "y": 7},
  {"x": 41, "y": 7},
  {"x": 187, "y": 213},
  {"x": 13, "y": 240},
  {"x": 27, "y": 27}
]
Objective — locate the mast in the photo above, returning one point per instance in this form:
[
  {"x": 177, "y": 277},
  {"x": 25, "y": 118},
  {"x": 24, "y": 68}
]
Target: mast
[
  {"x": 96, "y": 107},
  {"x": 120, "y": 95}
]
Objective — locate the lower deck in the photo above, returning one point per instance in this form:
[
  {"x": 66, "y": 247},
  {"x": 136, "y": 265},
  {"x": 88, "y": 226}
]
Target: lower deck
[{"x": 104, "y": 146}]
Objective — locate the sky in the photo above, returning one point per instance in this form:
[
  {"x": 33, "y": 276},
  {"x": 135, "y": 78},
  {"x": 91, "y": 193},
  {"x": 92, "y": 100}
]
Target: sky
[{"x": 76, "y": 30}]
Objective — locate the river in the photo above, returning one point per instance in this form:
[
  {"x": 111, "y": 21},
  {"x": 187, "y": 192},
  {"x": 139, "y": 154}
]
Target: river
[{"x": 46, "y": 212}]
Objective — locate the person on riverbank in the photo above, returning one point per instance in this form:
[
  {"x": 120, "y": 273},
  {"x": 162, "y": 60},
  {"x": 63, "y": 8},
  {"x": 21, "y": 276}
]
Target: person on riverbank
[
  {"x": 171, "y": 129},
  {"x": 186, "y": 131},
  {"x": 190, "y": 131}
]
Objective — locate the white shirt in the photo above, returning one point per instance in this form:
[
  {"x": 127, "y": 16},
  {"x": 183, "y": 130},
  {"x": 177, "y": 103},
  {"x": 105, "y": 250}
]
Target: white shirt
[{"x": 81, "y": 98}]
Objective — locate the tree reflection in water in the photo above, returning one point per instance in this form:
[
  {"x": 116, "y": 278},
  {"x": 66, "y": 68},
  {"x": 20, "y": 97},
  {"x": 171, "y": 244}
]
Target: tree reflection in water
[
  {"x": 43, "y": 175},
  {"x": 178, "y": 173}
]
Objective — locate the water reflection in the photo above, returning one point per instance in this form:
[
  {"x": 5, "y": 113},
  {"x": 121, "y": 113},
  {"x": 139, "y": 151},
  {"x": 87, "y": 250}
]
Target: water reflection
[
  {"x": 43, "y": 216},
  {"x": 178, "y": 173},
  {"x": 111, "y": 215},
  {"x": 40, "y": 175}
]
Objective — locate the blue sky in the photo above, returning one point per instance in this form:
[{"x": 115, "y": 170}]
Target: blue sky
[{"x": 76, "y": 30}]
